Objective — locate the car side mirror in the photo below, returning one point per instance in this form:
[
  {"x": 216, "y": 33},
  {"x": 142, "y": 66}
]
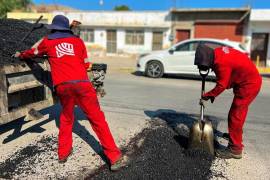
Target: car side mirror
[{"x": 171, "y": 51}]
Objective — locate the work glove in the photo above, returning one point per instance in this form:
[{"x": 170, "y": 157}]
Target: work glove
[
  {"x": 206, "y": 98},
  {"x": 90, "y": 67},
  {"x": 16, "y": 55},
  {"x": 203, "y": 101}
]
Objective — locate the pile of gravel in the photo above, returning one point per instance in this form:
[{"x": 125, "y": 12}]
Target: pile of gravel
[
  {"x": 24, "y": 161},
  {"x": 11, "y": 33},
  {"x": 157, "y": 152},
  {"x": 162, "y": 155},
  {"x": 39, "y": 160}
]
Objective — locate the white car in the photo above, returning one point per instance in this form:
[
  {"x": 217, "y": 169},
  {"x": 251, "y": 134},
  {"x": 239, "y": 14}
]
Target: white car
[{"x": 179, "y": 59}]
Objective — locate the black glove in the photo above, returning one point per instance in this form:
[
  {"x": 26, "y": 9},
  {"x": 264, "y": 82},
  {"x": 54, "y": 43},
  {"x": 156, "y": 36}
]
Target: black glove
[
  {"x": 206, "y": 98},
  {"x": 202, "y": 102}
]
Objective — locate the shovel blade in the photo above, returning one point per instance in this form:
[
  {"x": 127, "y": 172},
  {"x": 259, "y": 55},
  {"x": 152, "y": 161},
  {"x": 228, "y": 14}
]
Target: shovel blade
[
  {"x": 33, "y": 115},
  {"x": 202, "y": 137}
]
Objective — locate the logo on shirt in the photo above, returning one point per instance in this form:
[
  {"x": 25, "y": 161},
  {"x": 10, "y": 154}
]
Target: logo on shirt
[
  {"x": 225, "y": 50},
  {"x": 64, "y": 49}
]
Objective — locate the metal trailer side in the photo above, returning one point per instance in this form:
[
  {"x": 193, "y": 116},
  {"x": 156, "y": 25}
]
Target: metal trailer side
[{"x": 24, "y": 87}]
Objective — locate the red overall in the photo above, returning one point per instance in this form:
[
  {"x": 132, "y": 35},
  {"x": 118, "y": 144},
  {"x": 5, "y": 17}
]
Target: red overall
[
  {"x": 68, "y": 68},
  {"x": 235, "y": 70}
]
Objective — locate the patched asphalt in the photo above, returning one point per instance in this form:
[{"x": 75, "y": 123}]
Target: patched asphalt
[
  {"x": 158, "y": 152},
  {"x": 162, "y": 154}
]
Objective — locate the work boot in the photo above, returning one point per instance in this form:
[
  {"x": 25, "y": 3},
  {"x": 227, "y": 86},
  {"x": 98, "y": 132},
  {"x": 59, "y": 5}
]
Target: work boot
[
  {"x": 227, "y": 153},
  {"x": 64, "y": 159},
  {"x": 120, "y": 163}
]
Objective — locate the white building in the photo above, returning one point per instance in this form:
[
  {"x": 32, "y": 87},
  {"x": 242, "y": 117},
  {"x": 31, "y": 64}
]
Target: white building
[
  {"x": 258, "y": 40},
  {"x": 124, "y": 31}
]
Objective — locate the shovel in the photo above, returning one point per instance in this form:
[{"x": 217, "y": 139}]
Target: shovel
[
  {"x": 28, "y": 33},
  {"x": 201, "y": 134},
  {"x": 33, "y": 115},
  {"x": 32, "y": 29}
]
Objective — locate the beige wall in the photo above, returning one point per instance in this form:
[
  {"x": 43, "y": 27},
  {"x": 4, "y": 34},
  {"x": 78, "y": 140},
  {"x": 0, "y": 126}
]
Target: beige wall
[{"x": 31, "y": 17}]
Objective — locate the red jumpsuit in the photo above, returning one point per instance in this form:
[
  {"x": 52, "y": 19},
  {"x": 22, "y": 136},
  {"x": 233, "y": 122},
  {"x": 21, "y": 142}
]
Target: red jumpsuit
[
  {"x": 68, "y": 68},
  {"x": 235, "y": 70}
]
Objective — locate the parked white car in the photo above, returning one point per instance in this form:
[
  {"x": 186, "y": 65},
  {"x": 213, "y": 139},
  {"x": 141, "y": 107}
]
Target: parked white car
[{"x": 179, "y": 59}]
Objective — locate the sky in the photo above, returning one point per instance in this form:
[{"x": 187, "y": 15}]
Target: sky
[{"x": 157, "y": 4}]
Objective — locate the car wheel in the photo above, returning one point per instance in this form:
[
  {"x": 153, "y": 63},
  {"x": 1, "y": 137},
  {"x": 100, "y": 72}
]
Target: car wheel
[{"x": 154, "y": 69}]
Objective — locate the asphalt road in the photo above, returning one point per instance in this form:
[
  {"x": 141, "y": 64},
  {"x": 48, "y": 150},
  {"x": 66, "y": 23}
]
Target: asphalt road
[
  {"x": 174, "y": 95},
  {"x": 28, "y": 149}
]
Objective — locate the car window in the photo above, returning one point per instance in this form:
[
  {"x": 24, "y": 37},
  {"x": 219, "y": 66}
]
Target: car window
[
  {"x": 214, "y": 45},
  {"x": 189, "y": 46}
]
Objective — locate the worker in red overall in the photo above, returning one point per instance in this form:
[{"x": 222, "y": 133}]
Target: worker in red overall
[
  {"x": 67, "y": 55},
  {"x": 235, "y": 70}
]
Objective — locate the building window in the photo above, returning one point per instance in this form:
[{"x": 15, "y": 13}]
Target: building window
[
  {"x": 87, "y": 35},
  {"x": 157, "y": 41},
  {"x": 134, "y": 37}
]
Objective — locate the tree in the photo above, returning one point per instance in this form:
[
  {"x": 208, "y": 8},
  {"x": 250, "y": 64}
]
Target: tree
[
  {"x": 122, "y": 8},
  {"x": 9, "y": 5}
]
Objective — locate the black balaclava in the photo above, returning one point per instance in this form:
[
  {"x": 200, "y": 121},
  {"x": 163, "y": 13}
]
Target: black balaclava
[
  {"x": 204, "y": 57},
  {"x": 56, "y": 34}
]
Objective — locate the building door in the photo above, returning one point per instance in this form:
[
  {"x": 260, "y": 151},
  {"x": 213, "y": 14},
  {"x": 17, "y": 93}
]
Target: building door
[
  {"x": 182, "y": 35},
  {"x": 259, "y": 45},
  {"x": 157, "y": 41},
  {"x": 111, "y": 41}
]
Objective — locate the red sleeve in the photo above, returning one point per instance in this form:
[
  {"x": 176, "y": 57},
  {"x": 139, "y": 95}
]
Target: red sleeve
[
  {"x": 87, "y": 65},
  {"x": 223, "y": 74},
  {"x": 38, "y": 49}
]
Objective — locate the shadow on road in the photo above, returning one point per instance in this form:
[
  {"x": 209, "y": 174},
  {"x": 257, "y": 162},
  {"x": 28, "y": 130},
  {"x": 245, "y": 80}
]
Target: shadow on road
[
  {"x": 54, "y": 111},
  {"x": 181, "y": 123},
  {"x": 178, "y": 76}
]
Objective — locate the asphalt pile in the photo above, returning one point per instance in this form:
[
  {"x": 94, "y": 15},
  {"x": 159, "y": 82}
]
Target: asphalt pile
[
  {"x": 162, "y": 155},
  {"x": 158, "y": 152},
  {"x": 11, "y": 33}
]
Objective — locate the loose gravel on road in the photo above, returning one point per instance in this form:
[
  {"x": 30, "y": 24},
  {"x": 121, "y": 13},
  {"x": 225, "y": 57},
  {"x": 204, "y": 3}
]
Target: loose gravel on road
[
  {"x": 39, "y": 160},
  {"x": 157, "y": 152}
]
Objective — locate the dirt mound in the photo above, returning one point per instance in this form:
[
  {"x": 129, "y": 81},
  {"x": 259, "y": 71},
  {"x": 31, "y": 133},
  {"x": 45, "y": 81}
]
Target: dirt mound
[{"x": 11, "y": 33}]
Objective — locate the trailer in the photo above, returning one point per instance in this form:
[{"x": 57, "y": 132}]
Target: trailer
[{"x": 24, "y": 87}]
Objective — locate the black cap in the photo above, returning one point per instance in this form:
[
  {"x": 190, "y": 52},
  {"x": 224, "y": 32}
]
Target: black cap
[{"x": 204, "y": 57}]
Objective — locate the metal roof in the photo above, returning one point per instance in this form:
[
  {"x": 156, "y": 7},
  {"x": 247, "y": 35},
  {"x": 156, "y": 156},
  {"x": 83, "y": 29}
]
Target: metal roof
[
  {"x": 260, "y": 15},
  {"x": 184, "y": 10}
]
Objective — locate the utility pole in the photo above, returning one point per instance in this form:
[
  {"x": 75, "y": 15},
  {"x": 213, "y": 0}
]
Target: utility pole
[
  {"x": 174, "y": 3},
  {"x": 249, "y": 3}
]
